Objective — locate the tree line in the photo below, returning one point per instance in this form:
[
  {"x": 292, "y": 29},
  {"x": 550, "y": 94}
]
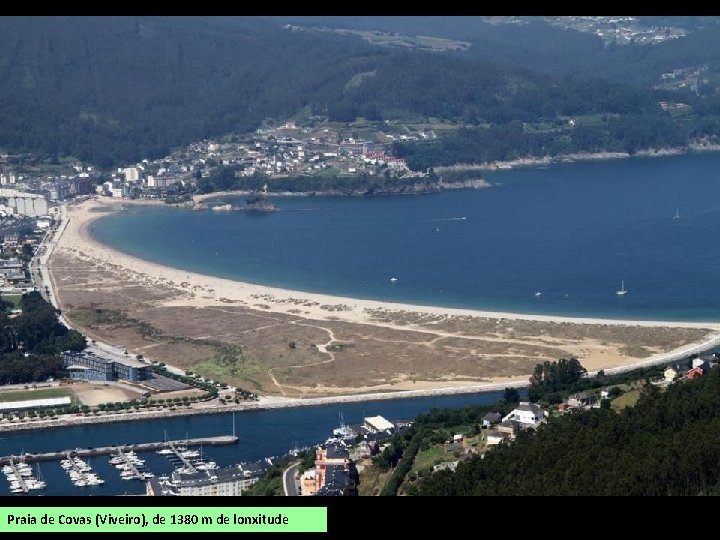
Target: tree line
[
  {"x": 223, "y": 178},
  {"x": 31, "y": 343}
]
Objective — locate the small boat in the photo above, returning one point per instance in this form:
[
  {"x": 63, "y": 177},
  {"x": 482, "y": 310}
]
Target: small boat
[
  {"x": 622, "y": 290},
  {"x": 677, "y": 214},
  {"x": 437, "y": 229},
  {"x": 393, "y": 279},
  {"x": 538, "y": 294}
]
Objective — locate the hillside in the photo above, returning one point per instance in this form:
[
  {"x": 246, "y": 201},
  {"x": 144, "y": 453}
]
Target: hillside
[
  {"x": 664, "y": 445},
  {"x": 535, "y": 45},
  {"x": 120, "y": 89}
]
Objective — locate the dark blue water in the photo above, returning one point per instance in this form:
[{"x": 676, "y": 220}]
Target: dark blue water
[
  {"x": 572, "y": 231},
  {"x": 261, "y": 434}
]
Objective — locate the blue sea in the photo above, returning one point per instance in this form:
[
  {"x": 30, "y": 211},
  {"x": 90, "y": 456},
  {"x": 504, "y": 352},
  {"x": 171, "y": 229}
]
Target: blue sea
[{"x": 571, "y": 231}]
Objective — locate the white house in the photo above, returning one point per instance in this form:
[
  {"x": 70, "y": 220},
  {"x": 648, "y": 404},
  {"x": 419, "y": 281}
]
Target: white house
[{"x": 528, "y": 414}]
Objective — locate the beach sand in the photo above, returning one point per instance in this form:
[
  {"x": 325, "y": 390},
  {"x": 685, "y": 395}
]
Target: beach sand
[{"x": 344, "y": 345}]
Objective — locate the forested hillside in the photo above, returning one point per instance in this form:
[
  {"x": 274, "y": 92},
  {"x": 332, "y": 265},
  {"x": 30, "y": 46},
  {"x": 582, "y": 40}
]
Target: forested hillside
[
  {"x": 665, "y": 445},
  {"x": 541, "y": 48},
  {"x": 119, "y": 89}
]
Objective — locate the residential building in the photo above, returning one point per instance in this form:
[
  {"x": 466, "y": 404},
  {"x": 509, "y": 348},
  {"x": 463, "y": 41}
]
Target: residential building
[
  {"x": 671, "y": 374},
  {"x": 446, "y": 466},
  {"x": 504, "y": 431},
  {"x": 580, "y": 400},
  {"x": 491, "y": 418},
  {"x": 337, "y": 482},
  {"x": 132, "y": 174},
  {"x": 495, "y": 437},
  {"x": 356, "y": 147},
  {"x": 333, "y": 471},
  {"x": 526, "y": 413},
  {"x": 307, "y": 483},
  {"x": 227, "y": 482}
]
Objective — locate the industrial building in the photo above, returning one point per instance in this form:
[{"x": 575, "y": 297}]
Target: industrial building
[{"x": 377, "y": 424}]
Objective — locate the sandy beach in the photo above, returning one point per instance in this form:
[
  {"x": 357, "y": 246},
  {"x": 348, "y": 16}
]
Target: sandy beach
[
  {"x": 214, "y": 289},
  {"x": 345, "y": 346}
]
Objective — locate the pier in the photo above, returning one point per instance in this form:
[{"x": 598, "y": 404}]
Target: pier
[
  {"x": 186, "y": 463},
  {"x": 81, "y": 474},
  {"x": 130, "y": 465},
  {"x": 110, "y": 450},
  {"x": 20, "y": 477}
]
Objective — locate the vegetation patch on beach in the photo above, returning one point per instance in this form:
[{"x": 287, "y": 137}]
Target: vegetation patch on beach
[{"x": 230, "y": 365}]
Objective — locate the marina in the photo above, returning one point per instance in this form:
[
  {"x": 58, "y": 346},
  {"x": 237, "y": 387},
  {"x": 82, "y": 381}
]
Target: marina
[
  {"x": 21, "y": 478},
  {"x": 80, "y": 473},
  {"x": 262, "y": 434},
  {"x": 110, "y": 450},
  {"x": 130, "y": 466}
]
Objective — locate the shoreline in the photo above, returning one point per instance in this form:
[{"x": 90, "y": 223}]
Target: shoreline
[
  {"x": 579, "y": 157},
  {"x": 75, "y": 240},
  {"x": 265, "y": 404},
  {"x": 452, "y": 185},
  {"x": 85, "y": 240},
  {"x": 437, "y": 187}
]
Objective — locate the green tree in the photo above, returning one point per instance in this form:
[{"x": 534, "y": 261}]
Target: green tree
[{"x": 511, "y": 395}]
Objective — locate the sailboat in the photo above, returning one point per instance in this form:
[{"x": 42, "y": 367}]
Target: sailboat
[
  {"x": 677, "y": 214},
  {"x": 622, "y": 290}
]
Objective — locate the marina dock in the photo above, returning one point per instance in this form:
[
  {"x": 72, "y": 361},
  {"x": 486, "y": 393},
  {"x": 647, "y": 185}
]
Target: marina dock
[
  {"x": 81, "y": 474},
  {"x": 186, "y": 463},
  {"x": 113, "y": 450},
  {"x": 20, "y": 478},
  {"x": 128, "y": 464}
]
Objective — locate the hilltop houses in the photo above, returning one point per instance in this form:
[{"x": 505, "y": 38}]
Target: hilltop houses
[{"x": 527, "y": 414}]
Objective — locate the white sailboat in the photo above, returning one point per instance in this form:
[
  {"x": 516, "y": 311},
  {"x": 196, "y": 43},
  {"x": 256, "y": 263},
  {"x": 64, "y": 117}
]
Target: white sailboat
[
  {"x": 677, "y": 214},
  {"x": 622, "y": 290}
]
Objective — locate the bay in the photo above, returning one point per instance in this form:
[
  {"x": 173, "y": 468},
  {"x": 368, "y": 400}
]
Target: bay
[{"x": 571, "y": 231}]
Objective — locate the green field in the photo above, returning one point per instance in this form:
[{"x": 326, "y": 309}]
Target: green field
[
  {"x": 14, "y": 299},
  {"x": 425, "y": 459},
  {"x": 41, "y": 393},
  {"x": 628, "y": 399}
]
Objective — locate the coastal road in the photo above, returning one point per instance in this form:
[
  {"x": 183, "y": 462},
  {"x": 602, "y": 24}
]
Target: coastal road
[{"x": 289, "y": 484}]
